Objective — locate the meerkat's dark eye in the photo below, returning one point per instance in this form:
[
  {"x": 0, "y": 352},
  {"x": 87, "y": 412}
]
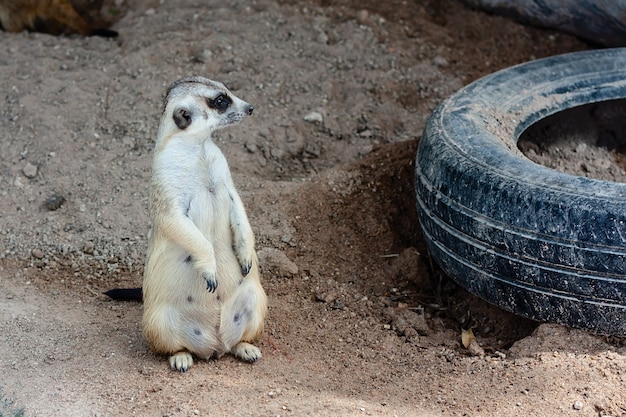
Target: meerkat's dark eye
[{"x": 220, "y": 103}]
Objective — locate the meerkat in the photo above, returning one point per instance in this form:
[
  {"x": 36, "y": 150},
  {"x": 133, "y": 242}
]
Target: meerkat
[
  {"x": 55, "y": 17},
  {"x": 202, "y": 292}
]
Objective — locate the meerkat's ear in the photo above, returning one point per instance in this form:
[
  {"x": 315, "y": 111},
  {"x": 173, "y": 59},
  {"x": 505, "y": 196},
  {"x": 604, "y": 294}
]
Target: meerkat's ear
[{"x": 182, "y": 118}]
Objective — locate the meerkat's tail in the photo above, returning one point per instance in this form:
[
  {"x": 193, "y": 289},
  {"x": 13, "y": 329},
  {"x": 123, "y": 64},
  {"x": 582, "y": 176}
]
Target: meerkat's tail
[
  {"x": 125, "y": 294},
  {"x": 104, "y": 33}
]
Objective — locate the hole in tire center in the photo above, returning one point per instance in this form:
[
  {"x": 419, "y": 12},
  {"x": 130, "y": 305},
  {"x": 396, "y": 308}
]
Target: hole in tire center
[{"x": 588, "y": 141}]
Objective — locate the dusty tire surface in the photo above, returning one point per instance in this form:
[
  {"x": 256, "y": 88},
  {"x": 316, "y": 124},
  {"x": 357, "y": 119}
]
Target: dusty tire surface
[
  {"x": 599, "y": 22},
  {"x": 546, "y": 245}
]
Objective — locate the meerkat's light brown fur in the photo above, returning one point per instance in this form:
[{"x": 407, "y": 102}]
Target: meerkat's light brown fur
[{"x": 201, "y": 290}]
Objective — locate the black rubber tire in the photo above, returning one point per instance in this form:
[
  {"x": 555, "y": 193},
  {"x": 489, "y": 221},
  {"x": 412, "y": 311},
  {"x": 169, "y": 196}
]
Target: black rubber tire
[
  {"x": 601, "y": 22},
  {"x": 540, "y": 243}
]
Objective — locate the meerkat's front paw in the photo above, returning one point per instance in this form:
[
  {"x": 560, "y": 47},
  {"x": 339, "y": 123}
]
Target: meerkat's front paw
[
  {"x": 246, "y": 352},
  {"x": 246, "y": 266},
  {"x": 181, "y": 361},
  {"x": 245, "y": 261},
  {"x": 211, "y": 280},
  {"x": 208, "y": 271}
]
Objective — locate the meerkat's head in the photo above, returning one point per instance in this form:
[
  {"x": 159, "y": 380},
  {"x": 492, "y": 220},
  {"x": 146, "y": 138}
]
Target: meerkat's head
[{"x": 197, "y": 104}]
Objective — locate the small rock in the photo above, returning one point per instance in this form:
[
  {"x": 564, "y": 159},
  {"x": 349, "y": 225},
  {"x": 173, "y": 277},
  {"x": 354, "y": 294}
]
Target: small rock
[
  {"x": 362, "y": 16},
  {"x": 326, "y": 297},
  {"x": 29, "y": 170},
  {"x": 475, "y": 349},
  {"x": 203, "y": 56},
  {"x": 366, "y": 133},
  {"x": 322, "y": 38},
  {"x": 314, "y": 117},
  {"x": 129, "y": 141},
  {"x": 37, "y": 253},
  {"x": 276, "y": 261},
  {"x": 89, "y": 248},
  {"x": 440, "y": 61},
  {"x": 578, "y": 405},
  {"x": 250, "y": 147},
  {"x": 55, "y": 201},
  {"x": 408, "y": 323}
]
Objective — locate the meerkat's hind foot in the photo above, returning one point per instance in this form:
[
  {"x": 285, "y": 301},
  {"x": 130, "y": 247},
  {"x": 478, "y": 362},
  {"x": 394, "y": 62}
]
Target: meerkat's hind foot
[
  {"x": 181, "y": 361},
  {"x": 246, "y": 352}
]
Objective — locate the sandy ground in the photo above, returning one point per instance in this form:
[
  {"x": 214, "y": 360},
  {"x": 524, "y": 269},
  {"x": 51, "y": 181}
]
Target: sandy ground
[{"x": 359, "y": 322}]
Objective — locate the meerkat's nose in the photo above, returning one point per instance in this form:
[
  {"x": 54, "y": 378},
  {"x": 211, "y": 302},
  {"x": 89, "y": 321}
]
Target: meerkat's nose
[{"x": 250, "y": 109}]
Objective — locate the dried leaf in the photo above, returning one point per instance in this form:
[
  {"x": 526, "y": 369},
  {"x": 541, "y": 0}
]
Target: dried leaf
[{"x": 467, "y": 336}]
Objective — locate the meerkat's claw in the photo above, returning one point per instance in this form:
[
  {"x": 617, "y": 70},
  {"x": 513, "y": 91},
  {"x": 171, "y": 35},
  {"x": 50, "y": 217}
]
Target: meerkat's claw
[
  {"x": 211, "y": 281},
  {"x": 181, "y": 361}
]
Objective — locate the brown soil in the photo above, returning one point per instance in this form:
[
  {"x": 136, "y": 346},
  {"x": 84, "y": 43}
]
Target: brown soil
[
  {"x": 588, "y": 141},
  {"x": 360, "y": 323}
]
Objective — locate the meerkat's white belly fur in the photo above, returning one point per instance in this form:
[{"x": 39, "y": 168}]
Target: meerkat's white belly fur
[{"x": 202, "y": 289}]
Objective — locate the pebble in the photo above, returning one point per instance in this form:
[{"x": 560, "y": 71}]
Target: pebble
[
  {"x": 475, "y": 349},
  {"x": 203, "y": 56},
  {"x": 37, "y": 253},
  {"x": 578, "y": 405},
  {"x": 322, "y": 38},
  {"x": 29, "y": 170},
  {"x": 314, "y": 117},
  {"x": 326, "y": 297},
  {"x": 275, "y": 260},
  {"x": 362, "y": 16},
  {"x": 440, "y": 61},
  {"x": 89, "y": 248},
  {"x": 55, "y": 201},
  {"x": 581, "y": 147},
  {"x": 250, "y": 147}
]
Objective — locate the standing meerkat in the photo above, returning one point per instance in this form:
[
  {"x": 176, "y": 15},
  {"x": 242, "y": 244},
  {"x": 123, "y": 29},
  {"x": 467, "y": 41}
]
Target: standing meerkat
[{"x": 202, "y": 292}]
